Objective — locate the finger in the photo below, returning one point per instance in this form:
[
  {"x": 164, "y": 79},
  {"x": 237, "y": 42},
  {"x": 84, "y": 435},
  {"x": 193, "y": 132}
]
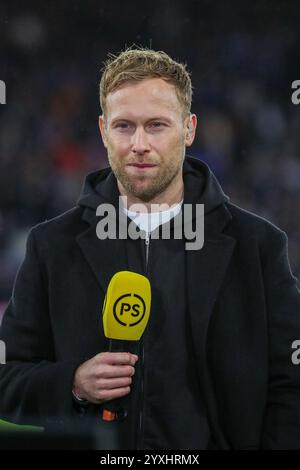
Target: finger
[
  {"x": 114, "y": 371},
  {"x": 109, "y": 384},
  {"x": 118, "y": 358}
]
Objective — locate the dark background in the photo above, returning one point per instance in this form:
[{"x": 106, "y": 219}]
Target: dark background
[{"x": 243, "y": 57}]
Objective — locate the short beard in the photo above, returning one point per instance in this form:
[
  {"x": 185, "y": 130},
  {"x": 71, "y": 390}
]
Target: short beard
[{"x": 158, "y": 185}]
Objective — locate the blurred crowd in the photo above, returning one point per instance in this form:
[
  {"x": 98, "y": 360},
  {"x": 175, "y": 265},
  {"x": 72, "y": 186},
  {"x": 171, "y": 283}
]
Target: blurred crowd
[{"x": 248, "y": 128}]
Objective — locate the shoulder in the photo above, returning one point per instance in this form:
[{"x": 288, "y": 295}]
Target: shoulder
[
  {"x": 57, "y": 230},
  {"x": 255, "y": 234},
  {"x": 69, "y": 219},
  {"x": 252, "y": 225}
]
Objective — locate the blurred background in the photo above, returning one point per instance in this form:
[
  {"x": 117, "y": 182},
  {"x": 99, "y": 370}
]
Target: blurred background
[{"x": 243, "y": 57}]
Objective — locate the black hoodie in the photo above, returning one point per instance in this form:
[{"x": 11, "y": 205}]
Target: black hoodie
[{"x": 165, "y": 405}]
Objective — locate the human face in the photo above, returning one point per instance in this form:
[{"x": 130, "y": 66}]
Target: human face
[{"x": 145, "y": 135}]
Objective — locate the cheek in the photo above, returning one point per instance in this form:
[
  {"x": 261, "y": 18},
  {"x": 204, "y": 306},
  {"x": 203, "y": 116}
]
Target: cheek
[
  {"x": 166, "y": 142},
  {"x": 118, "y": 145},
  {"x": 169, "y": 145}
]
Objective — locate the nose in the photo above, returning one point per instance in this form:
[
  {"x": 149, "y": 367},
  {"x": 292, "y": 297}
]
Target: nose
[{"x": 140, "y": 142}]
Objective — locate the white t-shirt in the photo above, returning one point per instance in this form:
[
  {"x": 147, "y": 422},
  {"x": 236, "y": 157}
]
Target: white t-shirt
[{"x": 149, "y": 221}]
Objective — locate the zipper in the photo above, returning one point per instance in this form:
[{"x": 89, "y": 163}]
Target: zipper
[
  {"x": 147, "y": 242},
  {"x": 139, "y": 443}
]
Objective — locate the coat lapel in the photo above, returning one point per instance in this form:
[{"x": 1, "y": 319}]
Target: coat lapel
[
  {"x": 206, "y": 269},
  {"x": 108, "y": 256},
  {"x": 105, "y": 257}
]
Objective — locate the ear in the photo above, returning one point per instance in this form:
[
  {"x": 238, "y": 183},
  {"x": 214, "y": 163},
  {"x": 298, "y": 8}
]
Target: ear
[
  {"x": 190, "y": 129},
  {"x": 103, "y": 130}
]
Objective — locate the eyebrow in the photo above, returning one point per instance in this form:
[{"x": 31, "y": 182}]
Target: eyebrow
[{"x": 157, "y": 118}]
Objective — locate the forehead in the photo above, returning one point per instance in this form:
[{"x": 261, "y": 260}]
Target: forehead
[{"x": 153, "y": 95}]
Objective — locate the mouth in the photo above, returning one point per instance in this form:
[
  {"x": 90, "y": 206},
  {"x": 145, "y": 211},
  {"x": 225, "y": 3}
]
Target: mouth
[{"x": 142, "y": 166}]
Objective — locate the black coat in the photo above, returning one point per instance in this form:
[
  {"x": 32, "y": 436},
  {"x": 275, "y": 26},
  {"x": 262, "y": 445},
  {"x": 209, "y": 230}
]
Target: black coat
[{"x": 244, "y": 306}]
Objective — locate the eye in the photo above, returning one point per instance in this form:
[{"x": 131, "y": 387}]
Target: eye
[
  {"x": 122, "y": 125},
  {"x": 157, "y": 124}
]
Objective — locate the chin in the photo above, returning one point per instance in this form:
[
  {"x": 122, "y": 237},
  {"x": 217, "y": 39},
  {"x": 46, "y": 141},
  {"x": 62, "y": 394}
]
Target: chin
[{"x": 145, "y": 194}]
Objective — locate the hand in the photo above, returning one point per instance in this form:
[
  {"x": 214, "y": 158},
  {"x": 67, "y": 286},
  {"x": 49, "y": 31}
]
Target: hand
[{"x": 106, "y": 376}]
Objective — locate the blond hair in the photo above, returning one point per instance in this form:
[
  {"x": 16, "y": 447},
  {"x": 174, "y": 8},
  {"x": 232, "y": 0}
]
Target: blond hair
[{"x": 139, "y": 64}]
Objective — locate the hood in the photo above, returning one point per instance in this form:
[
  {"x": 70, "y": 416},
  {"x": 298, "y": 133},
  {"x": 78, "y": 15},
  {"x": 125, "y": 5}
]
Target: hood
[{"x": 200, "y": 186}]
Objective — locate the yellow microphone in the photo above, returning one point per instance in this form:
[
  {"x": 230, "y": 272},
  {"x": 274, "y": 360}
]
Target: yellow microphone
[{"x": 126, "y": 312}]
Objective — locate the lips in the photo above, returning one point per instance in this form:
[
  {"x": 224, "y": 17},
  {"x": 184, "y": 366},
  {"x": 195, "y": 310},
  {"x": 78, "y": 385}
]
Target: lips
[{"x": 142, "y": 165}]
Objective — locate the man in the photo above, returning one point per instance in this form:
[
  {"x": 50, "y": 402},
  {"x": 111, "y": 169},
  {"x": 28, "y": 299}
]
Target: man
[{"x": 213, "y": 368}]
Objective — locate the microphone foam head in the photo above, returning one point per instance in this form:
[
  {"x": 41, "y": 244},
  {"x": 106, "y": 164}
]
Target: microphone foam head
[{"x": 126, "y": 307}]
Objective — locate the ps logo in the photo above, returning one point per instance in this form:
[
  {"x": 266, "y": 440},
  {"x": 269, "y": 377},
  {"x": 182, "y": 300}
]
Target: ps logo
[{"x": 129, "y": 309}]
